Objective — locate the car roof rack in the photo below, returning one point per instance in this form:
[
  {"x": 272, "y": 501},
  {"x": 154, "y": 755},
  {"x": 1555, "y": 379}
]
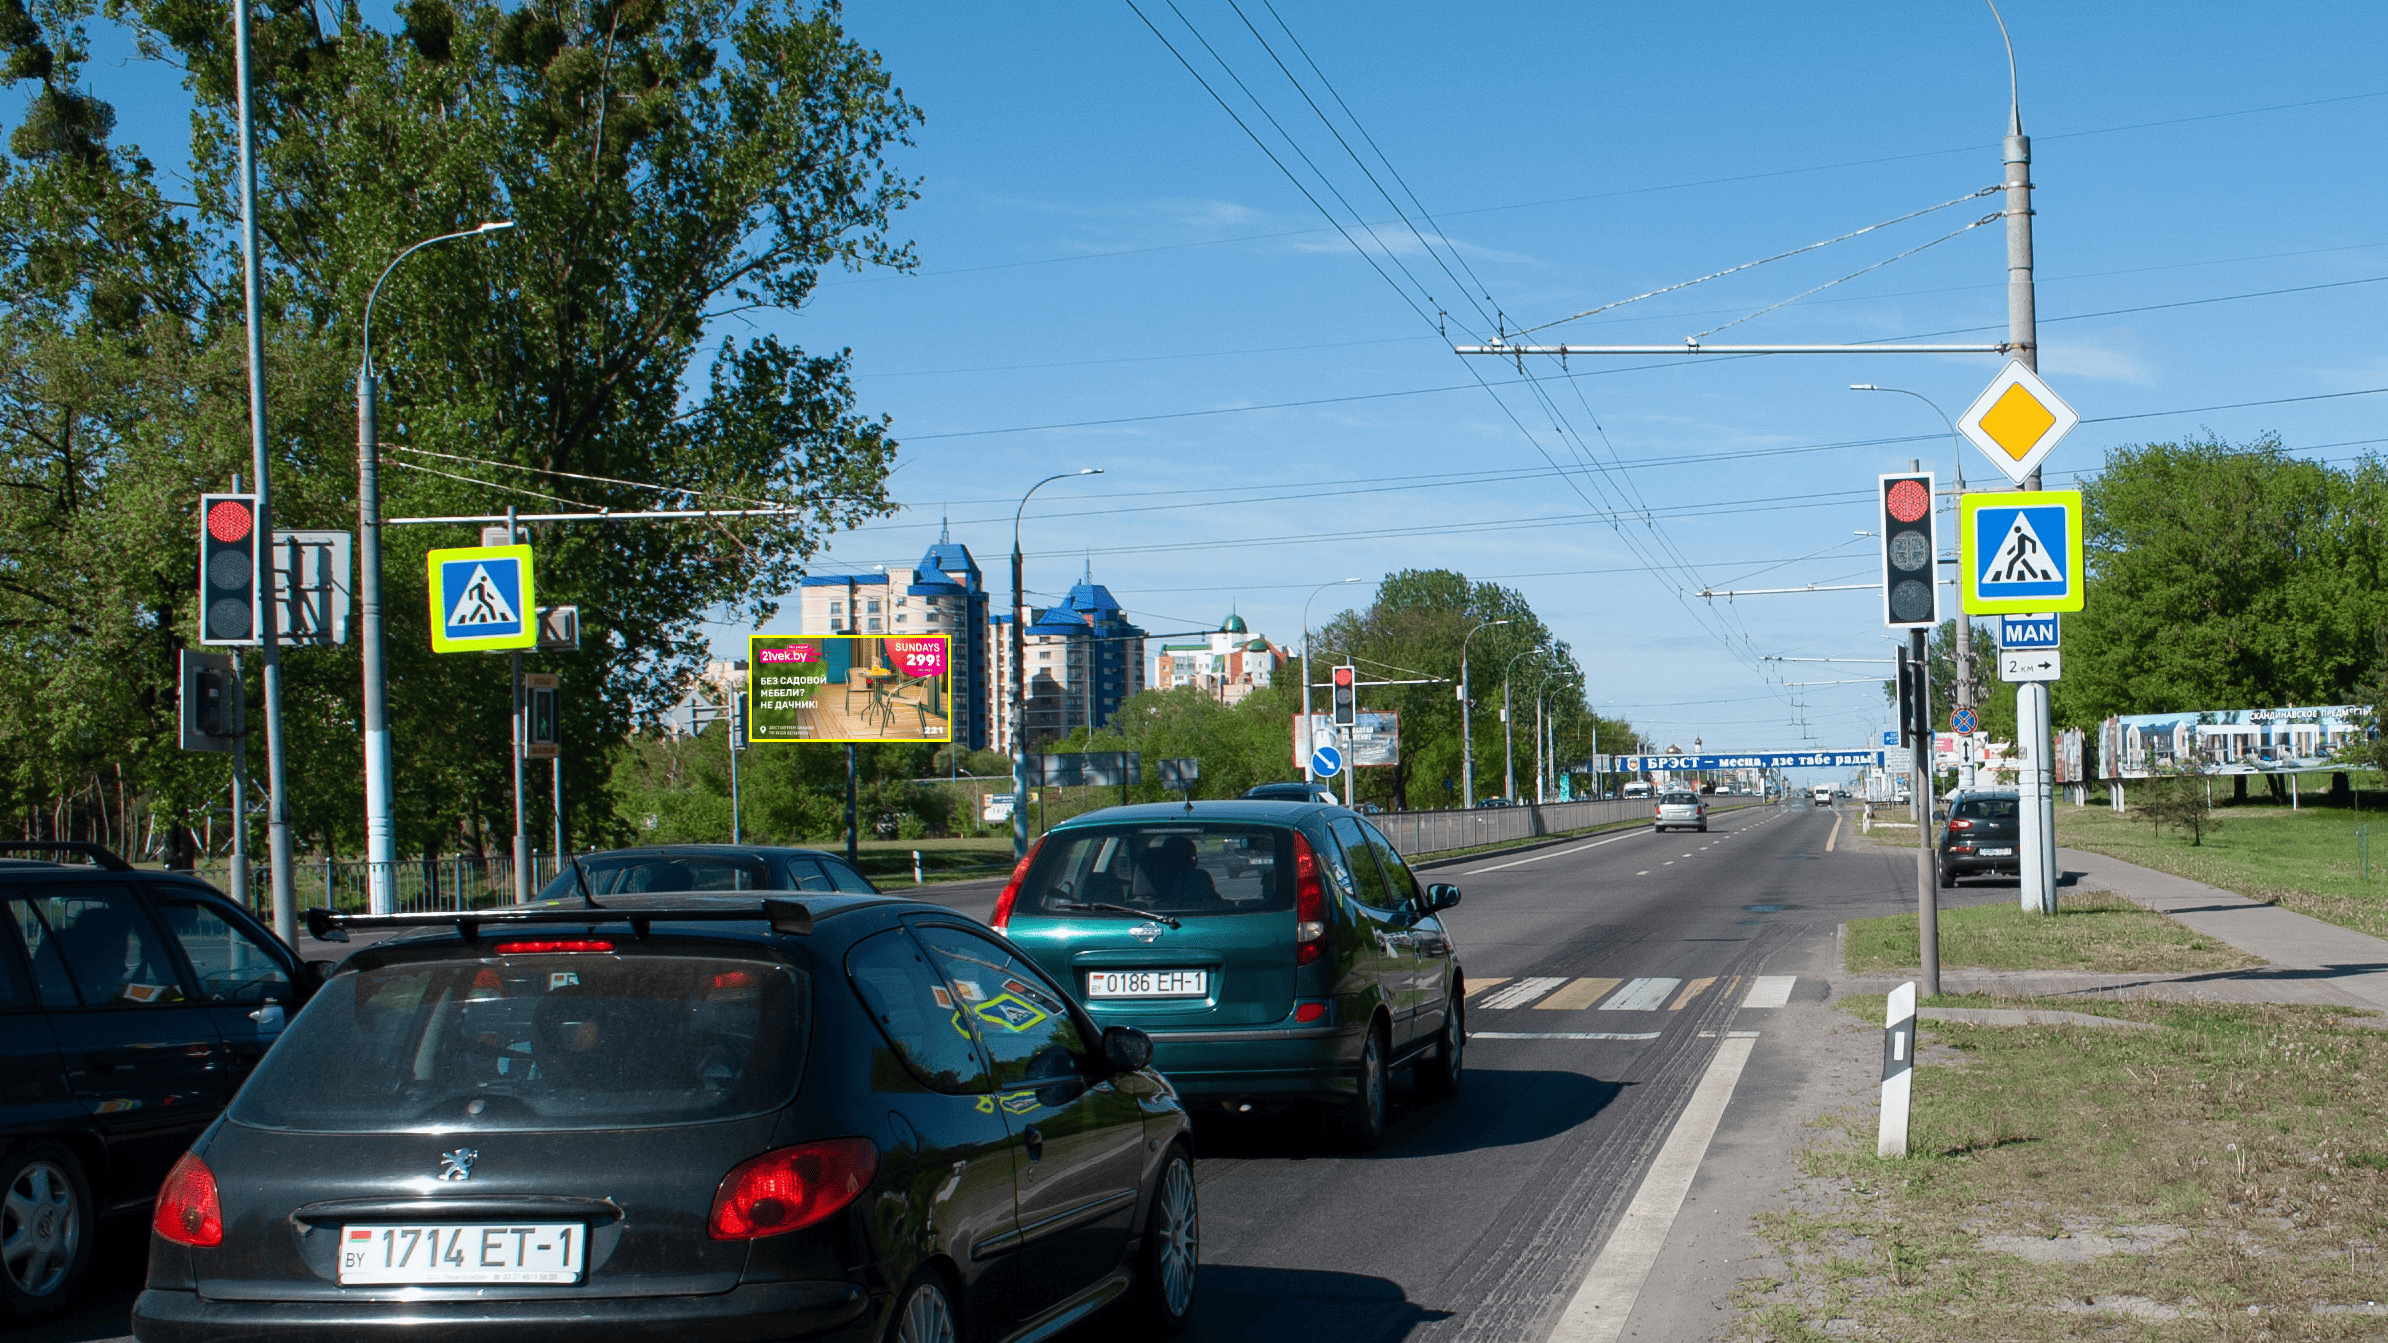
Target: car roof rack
[
  {"x": 101, "y": 855},
  {"x": 784, "y": 916}
]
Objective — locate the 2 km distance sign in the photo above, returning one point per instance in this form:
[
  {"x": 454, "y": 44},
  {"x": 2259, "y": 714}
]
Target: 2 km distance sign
[{"x": 848, "y": 688}]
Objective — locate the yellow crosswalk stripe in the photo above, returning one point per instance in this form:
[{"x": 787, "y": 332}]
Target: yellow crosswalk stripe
[
  {"x": 1690, "y": 991},
  {"x": 1577, "y": 996},
  {"x": 1476, "y": 986}
]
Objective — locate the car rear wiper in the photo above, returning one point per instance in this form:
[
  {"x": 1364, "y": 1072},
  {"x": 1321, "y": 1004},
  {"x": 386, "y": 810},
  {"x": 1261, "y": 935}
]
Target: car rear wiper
[{"x": 1119, "y": 909}]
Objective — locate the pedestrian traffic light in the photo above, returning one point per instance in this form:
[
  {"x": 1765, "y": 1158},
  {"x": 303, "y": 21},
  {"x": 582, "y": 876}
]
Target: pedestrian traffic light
[
  {"x": 542, "y": 736},
  {"x": 1347, "y": 696},
  {"x": 1914, "y": 696},
  {"x": 228, "y": 568},
  {"x": 1910, "y": 554},
  {"x": 211, "y": 710}
]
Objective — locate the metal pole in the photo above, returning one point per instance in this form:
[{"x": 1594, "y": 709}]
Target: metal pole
[
  {"x": 277, "y": 814},
  {"x": 1508, "y": 745},
  {"x": 1308, "y": 775},
  {"x": 853, "y": 839},
  {"x": 522, "y": 837},
  {"x": 737, "y": 827},
  {"x": 1020, "y": 675},
  {"x": 1927, "y": 883},
  {"x": 2022, "y": 329},
  {"x": 240, "y": 793},
  {"x": 555, "y": 768},
  {"x": 1467, "y": 727}
]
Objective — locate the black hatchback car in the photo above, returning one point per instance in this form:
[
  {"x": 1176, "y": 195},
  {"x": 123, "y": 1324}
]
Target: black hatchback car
[
  {"x": 708, "y": 1116},
  {"x": 1982, "y": 835},
  {"x": 132, "y": 1004},
  {"x": 664, "y": 869}
]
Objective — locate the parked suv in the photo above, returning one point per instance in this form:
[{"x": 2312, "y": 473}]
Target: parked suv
[
  {"x": 132, "y": 1005},
  {"x": 1981, "y": 835},
  {"x": 1276, "y": 952},
  {"x": 718, "y": 1116}
]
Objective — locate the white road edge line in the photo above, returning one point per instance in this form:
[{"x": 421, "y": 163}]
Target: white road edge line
[
  {"x": 1605, "y": 1298},
  {"x": 1564, "y": 849},
  {"x": 1559, "y": 1035}
]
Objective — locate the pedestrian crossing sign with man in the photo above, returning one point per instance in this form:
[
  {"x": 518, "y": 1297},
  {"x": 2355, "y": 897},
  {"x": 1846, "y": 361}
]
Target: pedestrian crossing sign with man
[
  {"x": 2020, "y": 553},
  {"x": 482, "y": 599}
]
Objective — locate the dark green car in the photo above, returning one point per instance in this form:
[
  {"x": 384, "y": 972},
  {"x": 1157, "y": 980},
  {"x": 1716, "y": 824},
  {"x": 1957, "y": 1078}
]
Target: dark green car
[{"x": 1275, "y": 951}]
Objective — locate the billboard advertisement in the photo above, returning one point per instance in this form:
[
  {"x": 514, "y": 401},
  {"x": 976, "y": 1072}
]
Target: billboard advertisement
[
  {"x": 848, "y": 688},
  {"x": 2228, "y": 741},
  {"x": 1375, "y": 738}
]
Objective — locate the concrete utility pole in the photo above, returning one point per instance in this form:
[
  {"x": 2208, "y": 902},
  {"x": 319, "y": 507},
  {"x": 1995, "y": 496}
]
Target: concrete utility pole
[
  {"x": 1467, "y": 730},
  {"x": 1019, "y": 682},
  {"x": 1927, "y": 890},
  {"x": 1509, "y": 729}
]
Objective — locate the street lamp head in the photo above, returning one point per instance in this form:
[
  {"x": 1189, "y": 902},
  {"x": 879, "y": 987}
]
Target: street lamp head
[
  {"x": 1090, "y": 470},
  {"x": 1863, "y": 387},
  {"x": 494, "y": 225}
]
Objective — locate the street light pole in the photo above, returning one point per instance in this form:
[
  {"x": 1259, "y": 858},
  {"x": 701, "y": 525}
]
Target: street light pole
[
  {"x": 381, "y": 844},
  {"x": 1019, "y": 674},
  {"x": 1509, "y": 728},
  {"x": 1308, "y": 776},
  {"x": 1467, "y": 728}
]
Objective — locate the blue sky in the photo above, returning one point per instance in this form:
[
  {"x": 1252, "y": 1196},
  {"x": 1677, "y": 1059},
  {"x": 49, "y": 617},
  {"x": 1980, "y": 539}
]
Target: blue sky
[{"x": 1113, "y": 274}]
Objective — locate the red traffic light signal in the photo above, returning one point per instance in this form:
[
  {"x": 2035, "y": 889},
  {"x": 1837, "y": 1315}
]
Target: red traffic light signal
[
  {"x": 228, "y": 569},
  {"x": 1346, "y": 711},
  {"x": 1910, "y": 553}
]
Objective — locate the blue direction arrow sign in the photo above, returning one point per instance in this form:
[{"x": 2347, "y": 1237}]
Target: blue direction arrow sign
[
  {"x": 1635, "y": 764},
  {"x": 2019, "y": 553},
  {"x": 482, "y": 599},
  {"x": 1326, "y": 762}
]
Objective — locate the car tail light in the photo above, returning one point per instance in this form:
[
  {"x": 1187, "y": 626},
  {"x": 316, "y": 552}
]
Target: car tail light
[
  {"x": 553, "y": 944},
  {"x": 187, "y": 1210},
  {"x": 1011, "y": 889},
  {"x": 1310, "y": 1011},
  {"x": 1310, "y": 904},
  {"x": 792, "y": 1188},
  {"x": 1960, "y": 825}
]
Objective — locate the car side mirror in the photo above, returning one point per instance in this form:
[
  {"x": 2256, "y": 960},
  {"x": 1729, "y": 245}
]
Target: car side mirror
[
  {"x": 1441, "y": 896},
  {"x": 1127, "y": 1049}
]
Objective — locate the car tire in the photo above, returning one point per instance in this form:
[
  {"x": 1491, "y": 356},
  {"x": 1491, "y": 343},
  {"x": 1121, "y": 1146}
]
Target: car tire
[
  {"x": 1170, "y": 1259},
  {"x": 46, "y": 1224},
  {"x": 1360, "y": 1121},
  {"x": 1948, "y": 880},
  {"x": 1438, "y": 1078},
  {"x": 925, "y": 1312}
]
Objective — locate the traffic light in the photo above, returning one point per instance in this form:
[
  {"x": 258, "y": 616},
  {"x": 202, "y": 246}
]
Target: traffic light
[
  {"x": 1347, "y": 697},
  {"x": 211, "y": 710},
  {"x": 228, "y": 554},
  {"x": 1914, "y": 696},
  {"x": 1910, "y": 553},
  {"x": 543, "y": 736}
]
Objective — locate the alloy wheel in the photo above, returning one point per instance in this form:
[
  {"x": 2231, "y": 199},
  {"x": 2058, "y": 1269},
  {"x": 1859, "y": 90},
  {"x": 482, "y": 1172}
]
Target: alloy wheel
[
  {"x": 925, "y": 1316},
  {"x": 41, "y": 1227},
  {"x": 1178, "y": 1231}
]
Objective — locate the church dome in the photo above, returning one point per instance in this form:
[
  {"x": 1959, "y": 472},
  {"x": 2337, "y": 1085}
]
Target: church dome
[{"x": 1234, "y": 625}]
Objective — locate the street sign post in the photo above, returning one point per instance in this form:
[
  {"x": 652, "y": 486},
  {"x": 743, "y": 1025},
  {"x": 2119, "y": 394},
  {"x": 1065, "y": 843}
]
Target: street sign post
[
  {"x": 2020, "y": 553},
  {"x": 2037, "y": 631},
  {"x": 2038, "y": 665},
  {"x": 2016, "y": 420},
  {"x": 481, "y": 599},
  {"x": 312, "y": 587},
  {"x": 559, "y": 629}
]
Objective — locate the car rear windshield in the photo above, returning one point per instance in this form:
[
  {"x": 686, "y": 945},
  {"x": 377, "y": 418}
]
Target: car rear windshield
[
  {"x": 1680, "y": 799},
  {"x": 660, "y": 873},
  {"x": 579, "y": 1040},
  {"x": 1189, "y": 869},
  {"x": 1987, "y": 808}
]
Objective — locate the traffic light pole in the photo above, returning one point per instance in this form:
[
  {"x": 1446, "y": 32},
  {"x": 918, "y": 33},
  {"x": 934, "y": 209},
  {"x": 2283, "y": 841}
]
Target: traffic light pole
[
  {"x": 1927, "y": 887},
  {"x": 277, "y": 814},
  {"x": 240, "y": 799}
]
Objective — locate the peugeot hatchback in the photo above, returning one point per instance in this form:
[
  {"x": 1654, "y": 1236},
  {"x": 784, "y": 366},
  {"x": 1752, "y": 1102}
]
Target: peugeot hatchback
[
  {"x": 1275, "y": 952},
  {"x": 692, "y": 1116}
]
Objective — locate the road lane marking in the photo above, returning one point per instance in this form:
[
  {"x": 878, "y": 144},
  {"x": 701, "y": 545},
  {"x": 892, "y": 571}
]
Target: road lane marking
[
  {"x": 1561, "y": 1035},
  {"x": 1642, "y": 995},
  {"x": 1522, "y": 992},
  {"x": 1770, "y": 991},
  {"x": 1668, "y": 863},
  {"x": 1577, "y": 996},
  {"x": 1691, "y": 991},
  {"x": 1476, "y": 986},
  {"x": 1643, "y": 873},
  {"x": 1605, "y": 1298},
  {"x": 1836, "y": 832},
  {"x": 1571, "y": 848}
]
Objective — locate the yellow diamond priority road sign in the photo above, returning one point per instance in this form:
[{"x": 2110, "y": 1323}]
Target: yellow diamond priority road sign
[{"x": 2016, "y": 420}]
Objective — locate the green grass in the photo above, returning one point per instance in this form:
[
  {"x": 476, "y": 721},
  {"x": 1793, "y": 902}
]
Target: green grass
[
  {"x": 2245, "y": 1142},
  {"x": 2305, "y": 859},
  {"x": 2092, "y": 931}
]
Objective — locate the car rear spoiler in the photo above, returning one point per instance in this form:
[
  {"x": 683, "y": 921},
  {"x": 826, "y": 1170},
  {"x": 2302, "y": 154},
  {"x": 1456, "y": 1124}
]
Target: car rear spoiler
[
  {"x": 784, "y": 916},
  {"x": 100, "y": 855}
]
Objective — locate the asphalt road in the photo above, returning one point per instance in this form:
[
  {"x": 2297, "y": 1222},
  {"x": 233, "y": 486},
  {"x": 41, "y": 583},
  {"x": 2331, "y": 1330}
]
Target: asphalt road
[{"x": 1618, "y": 986}]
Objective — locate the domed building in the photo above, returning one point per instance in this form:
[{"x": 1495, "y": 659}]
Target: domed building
[
  {"x": 1230, "y": 664},
  {"x": 1082, "y": 660}
]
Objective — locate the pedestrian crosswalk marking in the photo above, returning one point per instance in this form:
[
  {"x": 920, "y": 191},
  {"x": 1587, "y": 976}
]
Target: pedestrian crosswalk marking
[
  {"x": 1691, "y": 991},
  {"x": 1642, "y": 995},
  {"x": 1770, "y": 991},
  {"x": 1480, "y": 985},
  {"x": 1577, "y": 996},
  {"x": 1522, "y": 992}
]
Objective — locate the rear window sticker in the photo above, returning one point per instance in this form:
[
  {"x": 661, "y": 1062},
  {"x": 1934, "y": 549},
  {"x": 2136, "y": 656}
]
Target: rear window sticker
[
  {"x": 1020, "y": 1102},
  {"x": 986, "y": 1105},
  {"x": 969, "y": 990},
  {"x": 557, "y": 979},
  {"x": 144, "y": 993},
  {"x": 1010, "y": 1013},
  {"x": 944, "y": 999},
  {"x": 961, "y": 1027}
]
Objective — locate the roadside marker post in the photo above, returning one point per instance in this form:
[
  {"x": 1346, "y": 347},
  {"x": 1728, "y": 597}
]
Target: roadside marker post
[{"x": 1898, "y": 1071}]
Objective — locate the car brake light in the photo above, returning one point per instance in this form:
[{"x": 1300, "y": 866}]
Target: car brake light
[
  {"x": 1011, "y": 889},
  {"x": 1310, "y": 1011},
  {"x": 1960, "y": 825},
  {"x": 187, "y": 1210},
  {"x": 553, "y": 944},
  {"x": 792, "y": 1188},
  {"x": 1310, "y": 904}
]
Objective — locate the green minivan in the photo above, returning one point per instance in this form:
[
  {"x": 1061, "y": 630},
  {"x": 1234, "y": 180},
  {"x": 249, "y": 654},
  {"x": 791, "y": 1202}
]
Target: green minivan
[{"x": 1276, "y": 952}]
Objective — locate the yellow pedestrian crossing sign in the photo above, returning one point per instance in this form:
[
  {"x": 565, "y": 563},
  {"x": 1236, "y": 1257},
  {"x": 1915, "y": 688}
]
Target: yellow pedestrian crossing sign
[
  {"x": 2016, "y": 420},
  {"x": 482, "y": 599},
  {"x": 2019, "y": 553}
]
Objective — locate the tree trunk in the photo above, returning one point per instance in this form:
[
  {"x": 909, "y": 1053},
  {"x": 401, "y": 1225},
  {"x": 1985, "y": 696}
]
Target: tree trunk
[
  {"x": 2238, "y": 790},
  {"x": 2342, "y": 791},
  {"x": 2278, "y": 789}
]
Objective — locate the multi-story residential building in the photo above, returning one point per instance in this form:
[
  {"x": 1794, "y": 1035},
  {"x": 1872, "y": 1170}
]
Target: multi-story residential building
[
  {"x": 1230, "y": 664},
  {"x": 1082, "y": 658},
  {"x": 943, "y": 594}
]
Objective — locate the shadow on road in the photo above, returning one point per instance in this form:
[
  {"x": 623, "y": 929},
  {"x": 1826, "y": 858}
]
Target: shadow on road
[
  {"x": 119, "y": 1261},
  {"x": 1237, "y": 1302},
  {"x": 1495, "y": 1108}
]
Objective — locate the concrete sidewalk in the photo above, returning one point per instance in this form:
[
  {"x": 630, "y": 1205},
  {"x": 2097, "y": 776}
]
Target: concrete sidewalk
[{"x": 2311, "y": 962}]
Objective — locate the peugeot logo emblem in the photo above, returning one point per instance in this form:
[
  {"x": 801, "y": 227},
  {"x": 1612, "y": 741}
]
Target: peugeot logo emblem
[
  {"x": 1146, "y": 932},
  {"x": 458, "y": 1165}
]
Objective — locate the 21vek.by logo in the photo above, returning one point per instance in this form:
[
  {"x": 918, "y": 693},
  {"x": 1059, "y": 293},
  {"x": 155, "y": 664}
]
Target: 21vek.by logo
[{"x": 795, "y": 653}]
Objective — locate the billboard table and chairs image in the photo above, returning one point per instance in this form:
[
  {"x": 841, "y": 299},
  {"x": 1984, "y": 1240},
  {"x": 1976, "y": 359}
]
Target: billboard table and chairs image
[{"x": 848, "y": 687}]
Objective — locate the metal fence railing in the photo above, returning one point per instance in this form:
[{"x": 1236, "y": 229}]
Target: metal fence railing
[
  {"x": 1416, "y": 833},
  {"x": 418, "y": 886}
]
